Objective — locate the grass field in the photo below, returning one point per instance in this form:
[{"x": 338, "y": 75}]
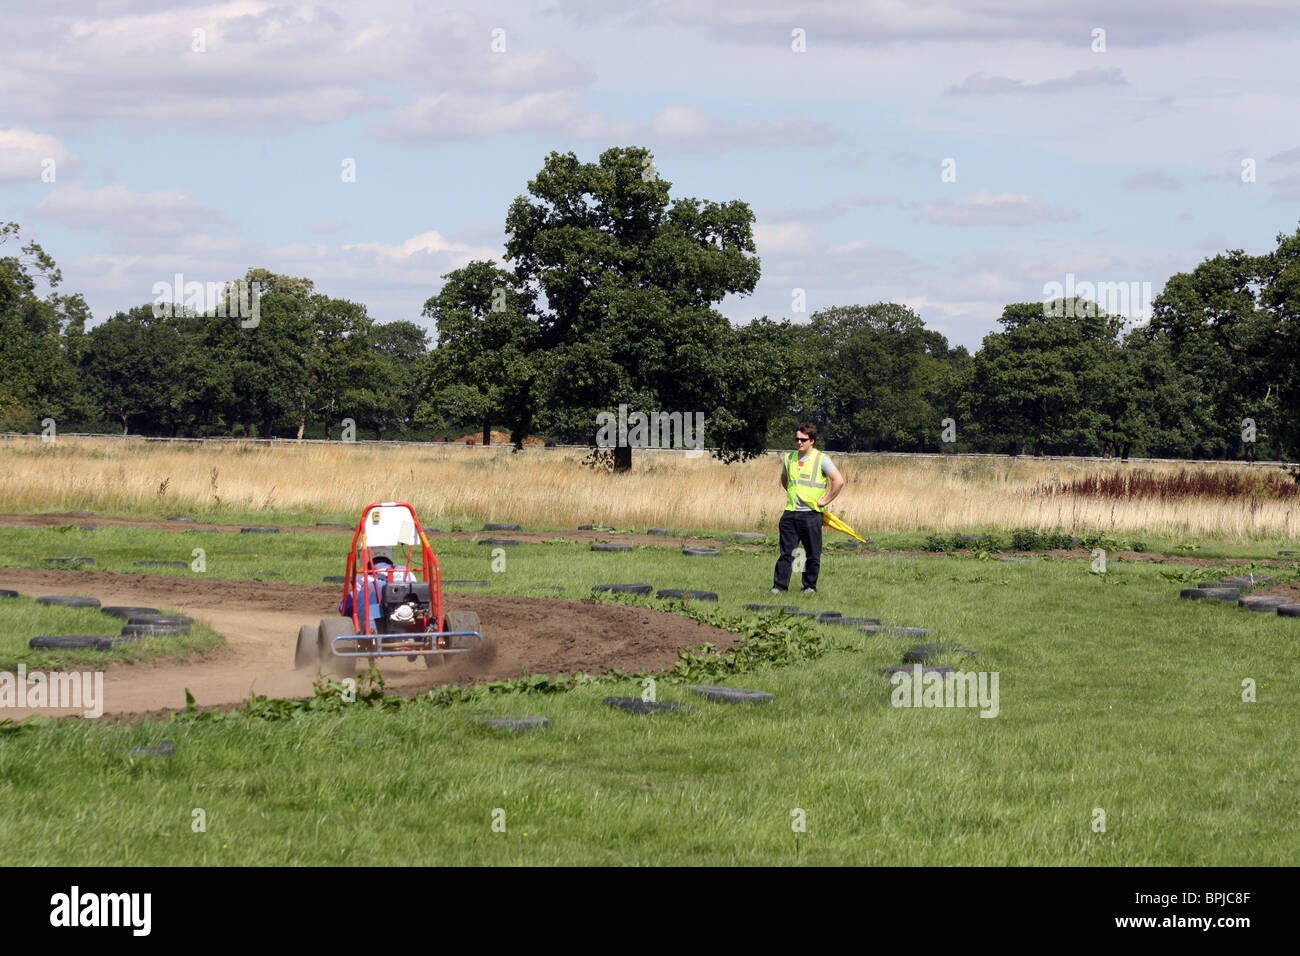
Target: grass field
[
  {"x": 1114, "y": 696},
  {"x": 21, "y": 619},
  {"x": 548, "y": 488}
]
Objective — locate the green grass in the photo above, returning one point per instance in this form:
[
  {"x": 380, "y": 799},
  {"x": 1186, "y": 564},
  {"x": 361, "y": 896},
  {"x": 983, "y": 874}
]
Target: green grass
[
  {"x": 21, "y": 619},
  {"x": 1113, "y": 695}
]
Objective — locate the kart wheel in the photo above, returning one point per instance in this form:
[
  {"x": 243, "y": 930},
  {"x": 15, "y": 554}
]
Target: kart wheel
[
  {"x": 461, "y": 621},
  {"x": 331, "y": 663},
  {"x": 307, "y": 652}
]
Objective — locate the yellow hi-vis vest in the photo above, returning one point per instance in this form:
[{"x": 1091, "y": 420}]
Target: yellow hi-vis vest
[{"x": 805, "y": 481}]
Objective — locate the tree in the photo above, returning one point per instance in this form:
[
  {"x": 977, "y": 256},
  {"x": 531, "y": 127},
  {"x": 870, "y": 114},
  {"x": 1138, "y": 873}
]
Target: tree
[
  {"x": 482, "y": 371},
  {"x": 398, "y": 351},
  {"x": 629, "y": 283},
  {"x": 132, "y": 364},
  {"x": 1049, "y": 384},
  {"x": 32, "y": 334},
  {"x": 1221, "y": 343},
  {"x": 879, "y": 372}
]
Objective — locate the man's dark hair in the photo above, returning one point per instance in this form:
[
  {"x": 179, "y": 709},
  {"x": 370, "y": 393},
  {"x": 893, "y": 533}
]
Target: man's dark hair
[{"x": 809, "y": 429}]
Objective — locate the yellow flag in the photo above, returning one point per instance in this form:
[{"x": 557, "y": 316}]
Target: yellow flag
[{"x": 830, "y": 521}]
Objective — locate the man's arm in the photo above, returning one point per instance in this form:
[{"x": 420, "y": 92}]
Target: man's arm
[{"x": 837, "y": 482}]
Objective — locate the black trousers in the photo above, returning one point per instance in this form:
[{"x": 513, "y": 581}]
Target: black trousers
[{"x": 799, "y": 527}]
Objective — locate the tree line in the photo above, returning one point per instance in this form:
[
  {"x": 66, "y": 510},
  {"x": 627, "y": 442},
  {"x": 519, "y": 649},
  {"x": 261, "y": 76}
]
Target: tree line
[{"x": 610, "y": 299}]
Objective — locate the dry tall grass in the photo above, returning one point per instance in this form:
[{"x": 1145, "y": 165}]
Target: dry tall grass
[{"x": 548, "y": 487}]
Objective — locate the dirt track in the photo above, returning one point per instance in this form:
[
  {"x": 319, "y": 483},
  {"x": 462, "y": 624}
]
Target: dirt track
[{"x": 260, "y": 622}]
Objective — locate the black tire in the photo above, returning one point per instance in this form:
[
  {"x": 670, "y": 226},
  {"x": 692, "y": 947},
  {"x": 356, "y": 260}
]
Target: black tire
[
  {"x": 67, "y": 561},
  {"x": 660, "y": 531},
  {"x": 1288, "y": 554},
  {"x": 502, "y": 527},
  {"x": 636, "y": 705},
  {"x": 1243, "y": 582},
  {"x": 625, "y": 588},
  {"x": 686, "y": 595},
  {"x": 332, "y": 524},
  {"x": 5, "y": 593},
  {"x": 701, "y": 552},
  {"x": 167, "y": 620},
  {"x": 127, "y": 611},
  {"x": 732, "y": 695},
  {"x": 908, "y": 631},
  {"x": 463, "y": 621},
  {"x": 68, "y": 600},
  {"x": 259, "y": 529},
  {"x": 854, "y": 621},
  {"x": 829, "y": 616},
  {"x": 920, "y": 653},
  {"x": 607, "y": 546},
  {"x": 154, "y": 630},
  {"x": 499, "y": 542},
  {"x": 307, "y": 651},
  {"x": 1289, "y": 610},
  {"x": 1210, "y": 594},
  {"x": 67, "y": 642},
  {"x": 514, "y": 723},
  {"x": 331, "y": 663},
  {"x": 1266, "y": 603},
  {"x": 907, "y": 669},
  {"x": 164, "y": 749}
]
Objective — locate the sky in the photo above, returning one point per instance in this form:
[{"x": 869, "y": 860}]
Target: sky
[{"x": 951, "y": 156}]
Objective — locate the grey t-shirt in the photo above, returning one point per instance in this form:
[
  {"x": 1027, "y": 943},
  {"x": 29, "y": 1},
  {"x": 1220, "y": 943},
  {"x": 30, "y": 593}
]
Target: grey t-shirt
[{"x": 828, "y": 469}]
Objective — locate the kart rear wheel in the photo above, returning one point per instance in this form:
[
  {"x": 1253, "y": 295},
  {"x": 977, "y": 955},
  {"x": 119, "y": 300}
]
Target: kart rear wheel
[
  {"x": 307, "y": 652},
  {"x": 331, "y": 663}
]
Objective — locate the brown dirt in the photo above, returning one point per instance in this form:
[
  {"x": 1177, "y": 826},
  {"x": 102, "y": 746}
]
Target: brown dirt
[
  {"x": 1289, "y": 589},
  {"x": 260, "y": 622}
]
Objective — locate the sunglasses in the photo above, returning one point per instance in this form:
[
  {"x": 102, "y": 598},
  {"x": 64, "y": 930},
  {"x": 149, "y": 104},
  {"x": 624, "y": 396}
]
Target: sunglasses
[{"x": 801, "y": 440}]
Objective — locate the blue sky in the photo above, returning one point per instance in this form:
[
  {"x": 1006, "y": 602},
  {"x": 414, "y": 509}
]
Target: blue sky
[{"x": 1114, "y": 165}]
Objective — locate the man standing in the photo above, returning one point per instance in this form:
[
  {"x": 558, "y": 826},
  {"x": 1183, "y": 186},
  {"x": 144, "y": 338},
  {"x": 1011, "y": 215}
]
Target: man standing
[{"x": 806, "y": 476}]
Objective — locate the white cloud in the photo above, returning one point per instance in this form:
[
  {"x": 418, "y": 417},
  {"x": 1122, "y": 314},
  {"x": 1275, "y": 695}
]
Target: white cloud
[
  {"x": 783, "y": 237},
  {"x": 880, "y": 22},
  {"x": 445, "y": 117},
  {"x": 127, "y": 213},
  {"x": 23, "y": 153},
  {"x": 260, "y": 61},
  {"x": 1152, "y": 179},
  {"x": 984, "y": 208},
  {"x": 393, "y": 279},
  {"x": 980, "y": 84}
]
